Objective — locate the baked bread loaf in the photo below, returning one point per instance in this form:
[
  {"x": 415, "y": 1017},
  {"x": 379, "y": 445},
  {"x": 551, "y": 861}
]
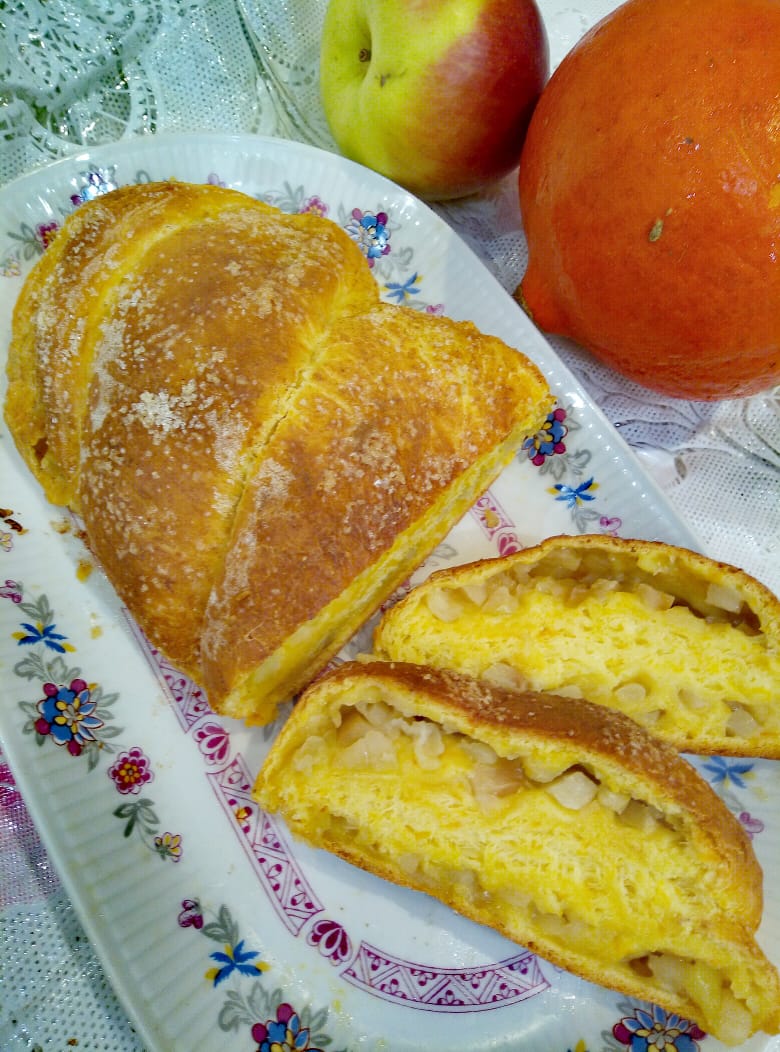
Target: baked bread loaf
[
  {"x": 260, "y": 449},
  {"x": 688, "y": 647},
  {"x": 561, "y": 824}
]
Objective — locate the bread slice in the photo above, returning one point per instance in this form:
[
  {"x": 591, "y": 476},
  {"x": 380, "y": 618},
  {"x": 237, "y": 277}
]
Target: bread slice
[
  {"x": 260, "y": 449},
  {"x": 561, "y": 824},
  {"x": 688, "y": 647}
]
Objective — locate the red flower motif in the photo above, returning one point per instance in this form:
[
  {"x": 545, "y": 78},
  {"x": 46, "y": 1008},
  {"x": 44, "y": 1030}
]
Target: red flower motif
[
  {"x": 191, "y": 916},
  {"x": 46, "y": 233},
  {"x": 314, "y": 205},
  {"x": 750, "y": 824},
  {"x": 131, "y": 771}
]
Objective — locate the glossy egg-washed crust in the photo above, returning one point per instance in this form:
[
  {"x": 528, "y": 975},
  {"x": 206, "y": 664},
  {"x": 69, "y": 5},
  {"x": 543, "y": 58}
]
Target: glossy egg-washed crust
[
  {"x": 245, "y": 429},
  {"x": 602, "y": 740},
  {"x": 403, "y": 634}
]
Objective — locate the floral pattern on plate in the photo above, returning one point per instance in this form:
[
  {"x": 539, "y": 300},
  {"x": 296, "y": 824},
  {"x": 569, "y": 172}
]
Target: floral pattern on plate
[
  {"x": 274, "y": 1025},
  {"x": 68, "y": 714},
  {"x": 76, "y": 715}
]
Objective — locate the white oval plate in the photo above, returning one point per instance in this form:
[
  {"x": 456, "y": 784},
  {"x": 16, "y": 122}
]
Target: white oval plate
[{"x": 215, "y": 929}]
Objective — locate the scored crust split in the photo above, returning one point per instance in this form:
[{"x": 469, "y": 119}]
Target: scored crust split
[{"x": 260, "y": 449}]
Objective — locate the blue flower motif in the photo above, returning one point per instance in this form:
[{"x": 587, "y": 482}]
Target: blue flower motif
[
  {"x": 283, "y": 1034},
  {"x": 98, "y": 182},
  {"x": 402, "y": 293},
  {"x": 67, "y": 714},
  {"x": 724, "y": 771},
  {"x": 279, "y": 1032},
  {"x": 234, "y": 959},
  {"x": 655, "y": 1031},
  {"x": 574, "y": 496},
  {"x": 370, "y": 232},
  {"x": 40, "y": 633},
  {"x": 548, "y": 440}
]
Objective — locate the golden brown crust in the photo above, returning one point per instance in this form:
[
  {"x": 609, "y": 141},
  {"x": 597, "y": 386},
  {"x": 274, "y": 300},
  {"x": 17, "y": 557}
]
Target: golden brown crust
[
  {"x": 353, "y": 467},
  {"x": 694, "y": 639},
  {"x": 58, "y": 314},
  {"x": 206, "y": 375},
  {"x": 204, "y": 342}
]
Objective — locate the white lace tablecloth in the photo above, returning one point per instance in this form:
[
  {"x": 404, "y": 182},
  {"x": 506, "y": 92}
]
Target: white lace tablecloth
[{"x": 83, "y": 72}]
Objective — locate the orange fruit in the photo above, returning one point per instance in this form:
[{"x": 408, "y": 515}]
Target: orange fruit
[{"x": 650, "y": 196}]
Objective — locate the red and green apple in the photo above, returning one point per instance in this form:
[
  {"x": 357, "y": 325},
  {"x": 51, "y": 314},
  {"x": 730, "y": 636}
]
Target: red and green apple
[{"x": 434, "y": 94}]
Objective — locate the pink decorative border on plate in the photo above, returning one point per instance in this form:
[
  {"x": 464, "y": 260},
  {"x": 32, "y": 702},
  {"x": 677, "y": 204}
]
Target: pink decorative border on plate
[
  {"x": 446, "y": 989},
  {"x": 377, "y": 972}
]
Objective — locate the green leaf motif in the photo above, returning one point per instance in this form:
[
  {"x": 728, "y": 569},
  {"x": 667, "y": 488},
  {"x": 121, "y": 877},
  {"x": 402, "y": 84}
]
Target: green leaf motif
[
  {"x": 138, "y": 812},
  {"x": 235, "y": 1012},
  {"x": 224, "y": 930}
]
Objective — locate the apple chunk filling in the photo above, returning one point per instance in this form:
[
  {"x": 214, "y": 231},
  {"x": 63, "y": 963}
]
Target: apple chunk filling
[
  {"x": 717, "y": 678},
  {"x": 573, "y": 577},
  {"x": 514, "y": 838},
  {"x": 705, "y": 985},
  {"x": 367, "y": 734},
  {"x": 369, "y": 742}
]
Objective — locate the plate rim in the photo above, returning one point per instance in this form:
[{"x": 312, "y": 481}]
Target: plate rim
[{"x": 628, "y": 466}]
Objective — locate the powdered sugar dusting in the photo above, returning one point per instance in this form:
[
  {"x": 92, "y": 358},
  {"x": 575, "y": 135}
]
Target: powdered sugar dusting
[
  {"x": 161, "y": 412},
  {"x": 240, "y": 429},
  {"x": 272, "y": 482},
  {"x": 230, "y": 435}
]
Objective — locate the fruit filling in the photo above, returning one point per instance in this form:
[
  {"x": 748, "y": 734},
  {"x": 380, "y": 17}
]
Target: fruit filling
[
  {"x": 515, "y": 835},
  {"x": 677, "y": 653}
]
